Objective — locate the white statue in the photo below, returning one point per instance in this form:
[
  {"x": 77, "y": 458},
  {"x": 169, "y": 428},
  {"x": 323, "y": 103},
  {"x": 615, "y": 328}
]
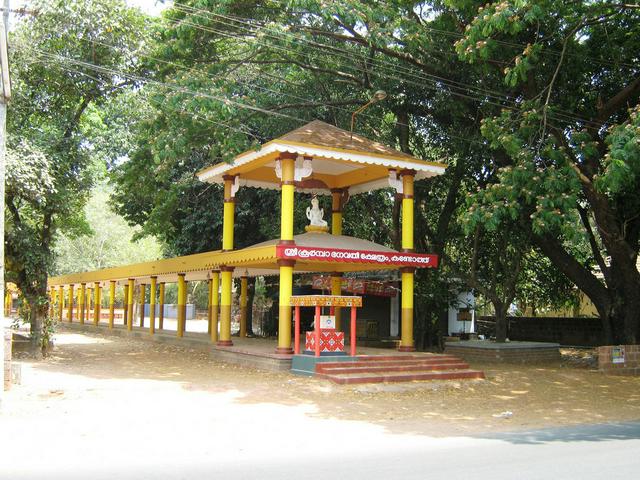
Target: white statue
[{"x": 316, "y": 214}]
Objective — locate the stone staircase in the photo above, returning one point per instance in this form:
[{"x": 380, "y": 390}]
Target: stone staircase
[{"x": 397, "y": 368}]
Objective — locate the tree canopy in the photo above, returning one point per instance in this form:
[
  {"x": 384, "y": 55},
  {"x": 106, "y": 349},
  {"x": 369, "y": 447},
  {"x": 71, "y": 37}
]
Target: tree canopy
[
  {"x": 53, "y": 161},
  {"x": 532, "y": 104}
]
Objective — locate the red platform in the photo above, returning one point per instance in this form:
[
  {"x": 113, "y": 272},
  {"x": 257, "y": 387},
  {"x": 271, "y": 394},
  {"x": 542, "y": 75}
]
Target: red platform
[{"x": 330, "y": 341}]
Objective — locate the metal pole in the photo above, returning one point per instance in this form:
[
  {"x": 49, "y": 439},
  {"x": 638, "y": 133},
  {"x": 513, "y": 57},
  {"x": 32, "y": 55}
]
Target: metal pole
[
  {"x": 296, "y": 343},
  {"x": 6, "y": 93},
  {"x": 317, "y": 330}
]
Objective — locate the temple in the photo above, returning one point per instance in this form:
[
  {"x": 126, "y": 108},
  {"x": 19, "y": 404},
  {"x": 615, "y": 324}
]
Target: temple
[{"x": 317, "y": 159}]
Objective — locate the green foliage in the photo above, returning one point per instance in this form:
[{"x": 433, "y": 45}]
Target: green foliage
[
  {"x": 110, "y": 242},
  {"x": 513, "y": 95},
  {"x": 622, "y": 161},
  {"x": 310, "y": 59},
  {"x": 572, "y": 154},
  {"x": 53, "y": 161},
  {"x": 543, "y": 286}
]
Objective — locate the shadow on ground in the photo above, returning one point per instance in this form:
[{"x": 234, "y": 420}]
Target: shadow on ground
[
  {"x": 580, "y": 433},
  {"x": 535, "y": 396}
]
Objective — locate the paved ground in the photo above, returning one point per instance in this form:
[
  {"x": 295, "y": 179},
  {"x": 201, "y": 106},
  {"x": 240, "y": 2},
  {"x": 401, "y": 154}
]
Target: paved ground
[{"x": 119, "y": 408}]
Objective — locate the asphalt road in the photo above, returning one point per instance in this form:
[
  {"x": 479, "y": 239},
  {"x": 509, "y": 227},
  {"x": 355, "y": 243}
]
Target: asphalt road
[
  {"x": 581, "y": 452},
  {"x": 107, "y": 411}
]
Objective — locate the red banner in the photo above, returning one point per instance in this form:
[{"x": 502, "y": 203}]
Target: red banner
[{"x": 318, "y": 254}]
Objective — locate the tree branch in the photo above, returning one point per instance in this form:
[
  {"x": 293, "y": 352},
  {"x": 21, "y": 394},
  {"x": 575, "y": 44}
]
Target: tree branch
[
  {"x": 14, "y": 211},
  {"x": 387, "y": 51},
  {"x": 583, "y": 278},
  {"x": 330, "y": 103},
  {"x": 618, "y": 101},
  {"x": 348, "y": 76},
  {"x": 595, "y": 248}
]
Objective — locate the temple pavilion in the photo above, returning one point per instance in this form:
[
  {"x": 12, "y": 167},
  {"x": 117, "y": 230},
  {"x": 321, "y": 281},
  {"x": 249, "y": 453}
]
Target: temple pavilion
[{"x": 317, "y": 159}]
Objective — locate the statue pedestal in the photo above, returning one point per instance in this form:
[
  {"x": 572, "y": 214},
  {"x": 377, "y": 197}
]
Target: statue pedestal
[{"x": 316, "y": 229}]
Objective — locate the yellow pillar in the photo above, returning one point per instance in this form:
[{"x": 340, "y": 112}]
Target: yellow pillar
[
  {"x": 226, "y": 272},
  {"x": 125, "y": 295},
  {"x": 130, "y": 304},
  {"x": 141, "y": 293},
  {"x": 407, "y": 211},
  {"x": 97, "y": 303},
  {"x": 214, "y": 304},
  {"x": 287, "y": 166},
  {"x": 112, "y": 302},
  {"x": 52, "y": 301},
  {"x": 284, "y": 320},
  {"x": 337, "y": 195},
  {"x": 88, "y": 302},
  {"x": 60, "y": 302},
  {"x": 152, "y": 305},
  {"x": 70, "y": 306},
  {"x": 80, "y": 314},
  {"x": 406, "y": 338},
  {"x": 243, "y": 306},
  {"x": 225, "y": 306},
  {"x": 182, "y": 304},
  {"x": 228, "y": 214},
  {"x": 336, "y": 289},
  {"x": 161, "y": 307},
  {"x": 336, "y": 211},
  {"x": 209, "y": 299}
]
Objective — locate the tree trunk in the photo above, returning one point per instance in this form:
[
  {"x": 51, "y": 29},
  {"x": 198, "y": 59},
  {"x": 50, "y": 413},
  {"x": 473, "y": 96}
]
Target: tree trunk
[
  {"x": 501, "y": 321},
  {"x": 38, "y": 307},
  {"x": 251, "y": 293},
  {"x": 622, "y": 318}
]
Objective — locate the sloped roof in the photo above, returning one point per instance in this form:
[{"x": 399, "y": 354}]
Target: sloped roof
[
  {"x": 340, "y": 160},
  {"x": 323, "y": 134}
]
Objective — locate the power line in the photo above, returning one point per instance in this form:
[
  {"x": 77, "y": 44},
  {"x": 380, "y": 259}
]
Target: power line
[
  {"x": 348, "y": 56},
  {"x": 434, "y": 88},
  {"x": 440, "y": 80},
  {"x": 61, "y": 59},
  {"x": 215, "y": 77},
  {"x": 174, "y": 87},
  {"x": 239, "y": 81},
  {"x": 520, "y": 46}
]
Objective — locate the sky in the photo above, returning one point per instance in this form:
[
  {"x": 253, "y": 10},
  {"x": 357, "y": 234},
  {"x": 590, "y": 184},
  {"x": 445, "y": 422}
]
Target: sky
[{"x": 151, "y": 7}]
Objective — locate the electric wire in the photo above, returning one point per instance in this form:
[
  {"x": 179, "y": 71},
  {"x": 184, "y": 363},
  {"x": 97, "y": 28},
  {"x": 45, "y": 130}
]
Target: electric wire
[
  {"x": 190, "y": 9},
  {"x": 175, "y": 88},
  {"x": 556, "y": 112}
]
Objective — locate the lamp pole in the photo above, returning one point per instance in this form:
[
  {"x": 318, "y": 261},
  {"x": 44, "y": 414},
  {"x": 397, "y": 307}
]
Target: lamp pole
[
  {"x": 6, "y": 95},
  {"x": 378, "y": 96}
]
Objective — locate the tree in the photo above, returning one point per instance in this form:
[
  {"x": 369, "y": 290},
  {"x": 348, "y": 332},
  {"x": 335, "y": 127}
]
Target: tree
[
  {"x": 109, "y": 244},
  {"x": 53, "y": 165},
  {"x": 229, "y": 75},
  {"x": 571, "y": 139}
]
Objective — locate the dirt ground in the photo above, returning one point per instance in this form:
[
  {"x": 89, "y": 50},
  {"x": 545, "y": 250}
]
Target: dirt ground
[{"x": 511, "y": 397}]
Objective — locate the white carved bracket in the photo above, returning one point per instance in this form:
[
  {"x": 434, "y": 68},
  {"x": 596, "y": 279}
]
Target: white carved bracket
[
  {"x": 305, "y": 170},
  {"x": 235, "y": 186},
  {"x": 300, "y": 171},
  {"x": 395, "y": 181}
]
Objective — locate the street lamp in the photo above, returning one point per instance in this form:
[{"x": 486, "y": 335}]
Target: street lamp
[{"x": 377, "y": 96}]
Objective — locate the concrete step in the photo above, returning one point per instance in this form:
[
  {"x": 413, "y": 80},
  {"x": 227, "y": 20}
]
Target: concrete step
[
  {"x": 388, "y": 363},
  {"x": 355, "y": 378},
  {"x": 426, "y": 356},
  {"x": 374, "y": 367}
]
